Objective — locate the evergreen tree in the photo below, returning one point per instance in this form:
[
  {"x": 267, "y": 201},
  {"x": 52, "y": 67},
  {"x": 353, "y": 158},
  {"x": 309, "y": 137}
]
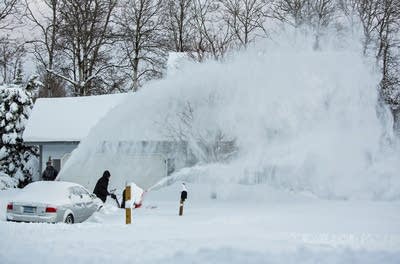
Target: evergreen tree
[{"x": 17, "y": 160}]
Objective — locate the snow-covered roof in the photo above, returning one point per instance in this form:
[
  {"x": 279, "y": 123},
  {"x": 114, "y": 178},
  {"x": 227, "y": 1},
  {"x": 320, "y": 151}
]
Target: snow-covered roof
[{"x": 67, "y": 118}]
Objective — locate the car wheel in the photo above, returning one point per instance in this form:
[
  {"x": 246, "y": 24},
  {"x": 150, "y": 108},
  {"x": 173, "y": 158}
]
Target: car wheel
[{"x": 69, "y": 219}]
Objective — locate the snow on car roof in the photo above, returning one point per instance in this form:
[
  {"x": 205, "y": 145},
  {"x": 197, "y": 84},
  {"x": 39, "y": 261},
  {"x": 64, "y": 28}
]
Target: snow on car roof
[
  {"x": 48, "y": 192},
  {"x": 67, "y": 118}
]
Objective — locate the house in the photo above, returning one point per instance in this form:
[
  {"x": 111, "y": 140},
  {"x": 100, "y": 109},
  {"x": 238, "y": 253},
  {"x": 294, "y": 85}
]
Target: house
[{"x": 57, "y": 125}]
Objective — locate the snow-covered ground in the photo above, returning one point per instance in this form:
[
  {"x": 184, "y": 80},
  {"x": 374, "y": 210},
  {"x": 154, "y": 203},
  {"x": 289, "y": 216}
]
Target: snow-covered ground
[
  {"x": 244, "y": 224},
  {"x": 304, "y": 126}
]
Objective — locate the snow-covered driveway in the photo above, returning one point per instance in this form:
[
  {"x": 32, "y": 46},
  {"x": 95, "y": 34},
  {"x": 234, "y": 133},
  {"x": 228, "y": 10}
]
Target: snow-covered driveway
[{"x": 267, "y": 227}]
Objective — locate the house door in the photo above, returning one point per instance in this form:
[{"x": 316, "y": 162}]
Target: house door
[
  {"x": 64, "y": 159},
  {"x": 57, "y": 164}
]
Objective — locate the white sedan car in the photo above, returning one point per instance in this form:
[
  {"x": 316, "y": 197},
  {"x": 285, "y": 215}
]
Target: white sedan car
[{"x": 52, "y": 202}]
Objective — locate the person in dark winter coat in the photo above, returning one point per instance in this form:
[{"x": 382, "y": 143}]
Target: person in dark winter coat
[
  {"x": 100, "y": 190},
  {"x": 50, "y": 173}
]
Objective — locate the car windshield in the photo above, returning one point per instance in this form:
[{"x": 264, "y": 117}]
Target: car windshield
[{"x": 78, "y": 191}]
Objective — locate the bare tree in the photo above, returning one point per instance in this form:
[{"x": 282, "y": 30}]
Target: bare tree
[
  {"x": 179, "y": 27},
  {"x": 140, "y": 26},
  {"x": 292, "y": 12},
  {"x": 367, "y": 11},
  {"x": 322, "y": 14},
  {"x": 347, "y": 9},
  {"x": 11, "y": 55},
  {"x": 7, "y": 8},
  {"x": 213, "y": 36},
  {"x": 87, "y": 43},
  {"x": 245, "y": 18},
  {"x": 388, "y": 54},
  {"x": 380, "y": 20},
  {"x": 314, "y": 14},
  {"x": 44, "y": 47}
]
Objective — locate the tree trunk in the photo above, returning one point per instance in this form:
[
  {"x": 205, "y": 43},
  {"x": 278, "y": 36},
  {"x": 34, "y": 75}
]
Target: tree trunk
[
  {"x": 135, "y": 74},
  {"x": 396, "y": 122}
]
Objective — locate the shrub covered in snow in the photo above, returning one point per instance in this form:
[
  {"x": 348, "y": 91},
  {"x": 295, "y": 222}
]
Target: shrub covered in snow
[
  {"x": 7, "y": 182},
  {"x": 18, "y": 162}
]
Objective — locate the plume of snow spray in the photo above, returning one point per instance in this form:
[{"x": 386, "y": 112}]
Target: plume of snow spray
[{"x": 300, "y": 119}]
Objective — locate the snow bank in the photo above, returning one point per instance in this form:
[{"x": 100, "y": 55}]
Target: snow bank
[{"x": 300, "y": 119}]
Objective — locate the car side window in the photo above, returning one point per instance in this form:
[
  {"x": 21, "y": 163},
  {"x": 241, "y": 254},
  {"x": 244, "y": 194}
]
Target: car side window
[
  {"x": 78, "y": 191},
  {"x": 74, "y": 191},
  {"x": 83, "y": 191}
]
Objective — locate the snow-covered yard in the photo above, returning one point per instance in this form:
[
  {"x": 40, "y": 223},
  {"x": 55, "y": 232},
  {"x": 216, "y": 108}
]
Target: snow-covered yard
[{"x": 245, "y": 224}]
